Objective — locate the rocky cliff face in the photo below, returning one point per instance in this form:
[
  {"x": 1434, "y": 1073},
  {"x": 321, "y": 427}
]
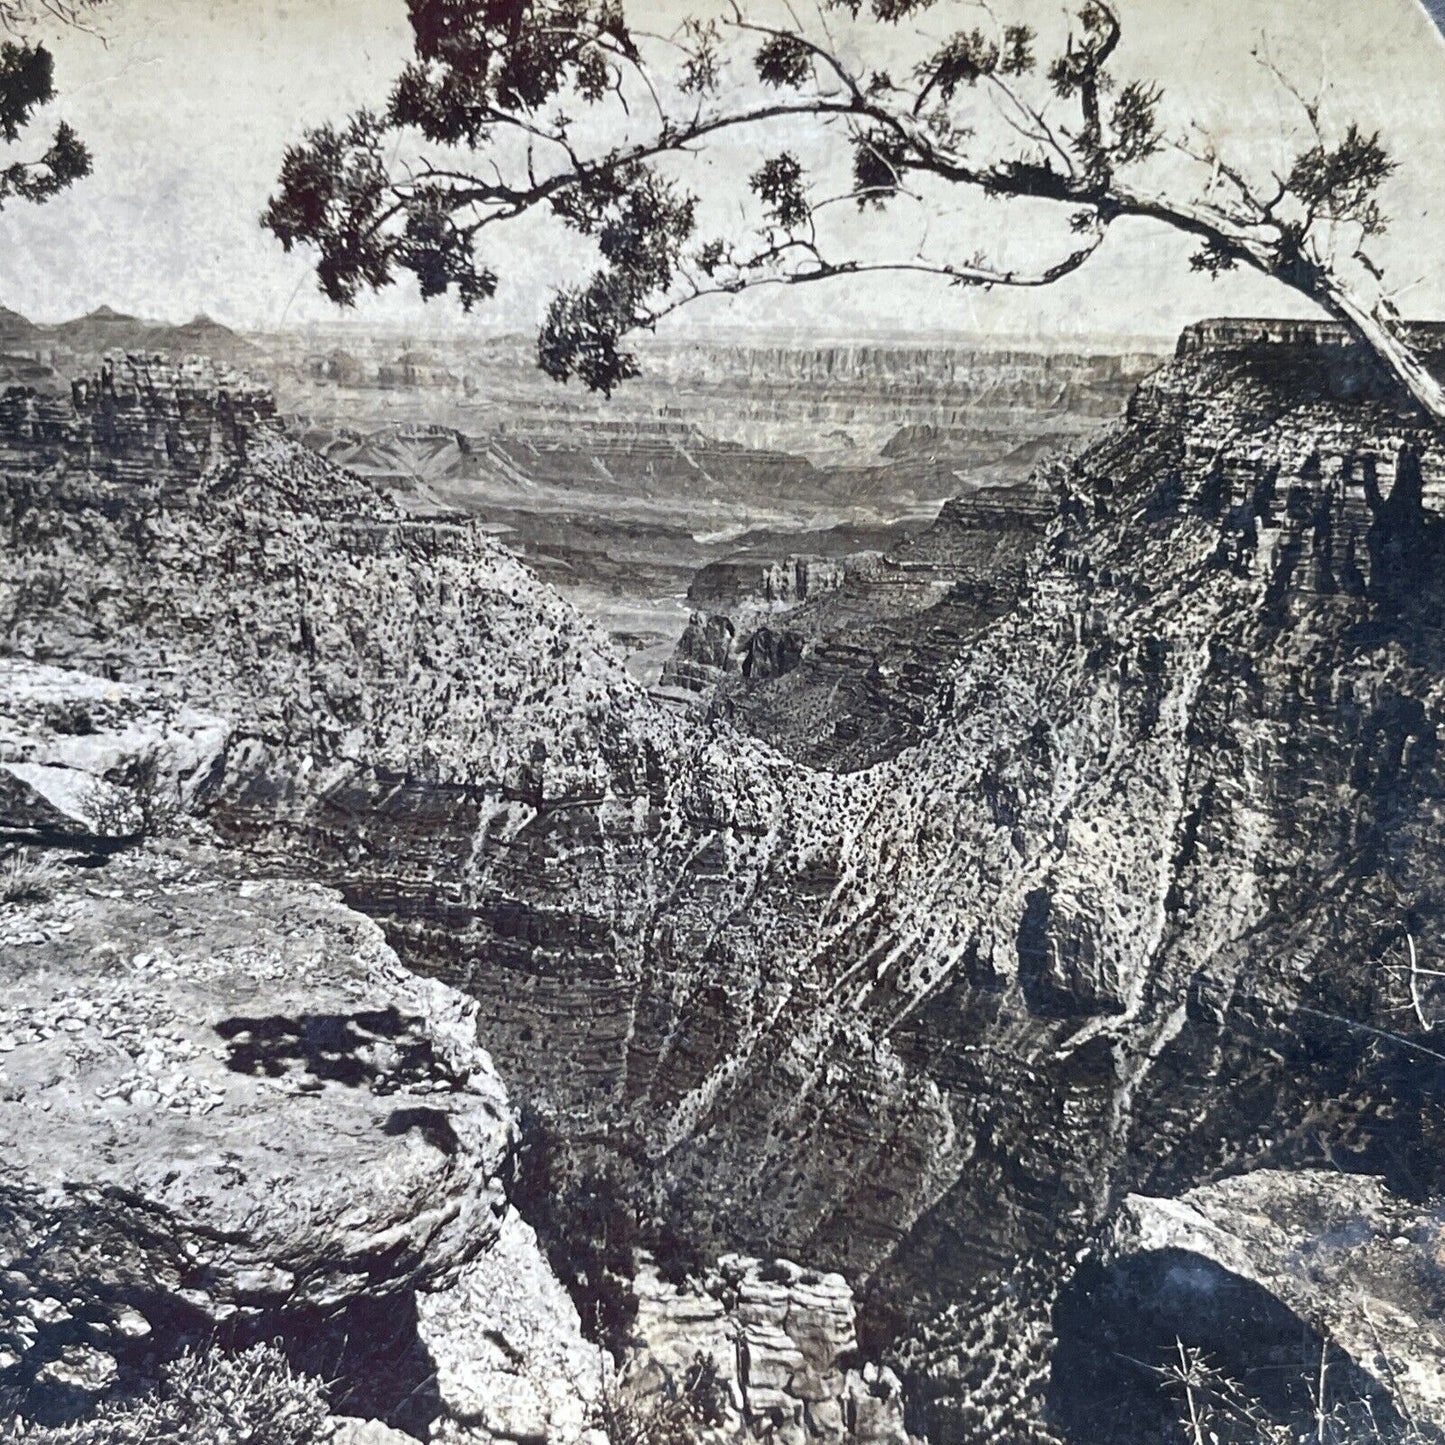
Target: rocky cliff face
[
  {"x": 783, "y": 1342},
  {"x": 842, "y": 664},
  {"x": 139, "y": 419},
  {"x": 339, "y": 636},
  {"x": 258, "y": 1126},
  {"x": 1122, "y": 920},
  {"x": 735, "y": 602},
  {"x": 787, "y": 582},
  {"x": 955, "y": 378},
  {"x": 1135, "y": 911}
]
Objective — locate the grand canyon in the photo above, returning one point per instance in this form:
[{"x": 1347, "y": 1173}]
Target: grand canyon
[
  {"x": 974, "y": 944},
  {"x": 721, "y": 722}
]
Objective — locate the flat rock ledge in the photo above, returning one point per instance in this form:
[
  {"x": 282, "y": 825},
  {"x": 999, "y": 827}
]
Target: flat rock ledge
[
  {"x": 85, "y": 759},
  {"x": 224, "y": 1106}
]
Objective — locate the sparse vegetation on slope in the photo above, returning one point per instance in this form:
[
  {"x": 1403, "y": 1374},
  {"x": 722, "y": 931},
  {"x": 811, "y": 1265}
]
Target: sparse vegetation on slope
[
  {"x": 204, "y": 1397},
  {"x": 27, "y": 876}
]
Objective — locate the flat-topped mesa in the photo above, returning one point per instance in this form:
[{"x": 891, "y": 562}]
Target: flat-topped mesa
[
  {"x": 1352, "y": 433},
  {"x": 764, "y": 582},
  {"x": 138, "y": 418},
  {"x": 1295, "y": 338},
  {"x": 962, "y": 366}
]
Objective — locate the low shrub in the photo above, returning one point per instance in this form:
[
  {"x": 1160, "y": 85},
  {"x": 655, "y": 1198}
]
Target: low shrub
[
  {"x": 27, "y": 876},
  {"x": 679, "y": 1416},
  {"x": 1213, "y": 1408},
  {"x": 252, "y": 1397},
  {"x": 145, "y": 804}
]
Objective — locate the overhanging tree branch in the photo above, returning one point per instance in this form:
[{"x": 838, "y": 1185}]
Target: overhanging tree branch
[
  {"x": 27, "y": 83},
  {"x": 749, "y": 274},
  {"x": 488, "y": 71}
]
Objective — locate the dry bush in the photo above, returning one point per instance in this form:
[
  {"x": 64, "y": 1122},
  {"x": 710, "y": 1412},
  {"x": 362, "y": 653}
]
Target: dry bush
[
  {"x": 146, "y": 805},
  {"x": 682, "y": 1415},
  {"x": 203, "y": 1398},
  {"x": 1215, "y": 1409},
  {"x": 27, "y": 876}
]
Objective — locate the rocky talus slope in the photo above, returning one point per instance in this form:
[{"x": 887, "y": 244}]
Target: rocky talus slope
[
  {"x": 1136, "y": 912},
  {"x": 339, "y": 636}
]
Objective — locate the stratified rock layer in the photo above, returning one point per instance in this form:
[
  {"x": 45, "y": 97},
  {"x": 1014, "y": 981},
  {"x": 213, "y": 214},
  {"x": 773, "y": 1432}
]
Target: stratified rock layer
[
  {"x": 139, "y": 417},
  {"x": 783, "y": 1343},
  {"x": 1137, "y": 911}
]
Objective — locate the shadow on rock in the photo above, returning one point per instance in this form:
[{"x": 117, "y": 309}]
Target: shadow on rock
[
  {"x": 1144, "y": 1342},
  {"x": 382, "y": 1050}
]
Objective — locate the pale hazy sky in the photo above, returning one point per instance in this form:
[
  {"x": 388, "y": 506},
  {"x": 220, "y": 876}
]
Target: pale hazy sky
[{"x": 189, "y": 104}]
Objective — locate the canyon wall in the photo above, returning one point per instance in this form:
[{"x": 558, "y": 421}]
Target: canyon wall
[
  {"x": 139, "y": 419},
  {"x": 841, "y": 664},
  {"x": 1121, "y": 918},
  {"x": 955, "y": 375},
  {"x": 1128, "y": 912}
]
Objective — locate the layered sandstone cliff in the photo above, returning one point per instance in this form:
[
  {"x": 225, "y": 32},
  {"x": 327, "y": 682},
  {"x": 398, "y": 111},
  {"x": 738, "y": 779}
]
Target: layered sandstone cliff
[
  {"x": 1136, "y": 910},
  {"x": 841, "y": 664},
  {"x": 140, "y": 418},
  {"x": 340, "y": 635}
]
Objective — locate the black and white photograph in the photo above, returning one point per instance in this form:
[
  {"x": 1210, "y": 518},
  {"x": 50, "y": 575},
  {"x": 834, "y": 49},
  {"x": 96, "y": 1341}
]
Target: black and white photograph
[{"x": 722, "y": 722}]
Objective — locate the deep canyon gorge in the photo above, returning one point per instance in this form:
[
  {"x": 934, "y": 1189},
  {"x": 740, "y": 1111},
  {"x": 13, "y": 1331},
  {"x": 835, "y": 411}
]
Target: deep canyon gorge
[{"x": 991, "y": 957}]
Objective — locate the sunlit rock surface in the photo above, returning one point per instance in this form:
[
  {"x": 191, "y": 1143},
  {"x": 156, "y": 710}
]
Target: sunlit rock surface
[
  {"x": 82, "y": 757},
  {"x": 227, "y": 1112},
  {"x": 508, "y": 1348},
  {"x": 783, "y": 1342}
]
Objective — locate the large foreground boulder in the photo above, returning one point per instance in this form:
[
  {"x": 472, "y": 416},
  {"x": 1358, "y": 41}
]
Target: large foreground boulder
[
  {"x": 1291, "y": 1289},
  {"x": 227, "y": 1113}
]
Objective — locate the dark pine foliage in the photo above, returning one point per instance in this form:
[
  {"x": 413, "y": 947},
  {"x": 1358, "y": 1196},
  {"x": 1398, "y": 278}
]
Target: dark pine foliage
[
  {"x": 562, "y": 107},
  {"x": 27, "y": 82}
]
